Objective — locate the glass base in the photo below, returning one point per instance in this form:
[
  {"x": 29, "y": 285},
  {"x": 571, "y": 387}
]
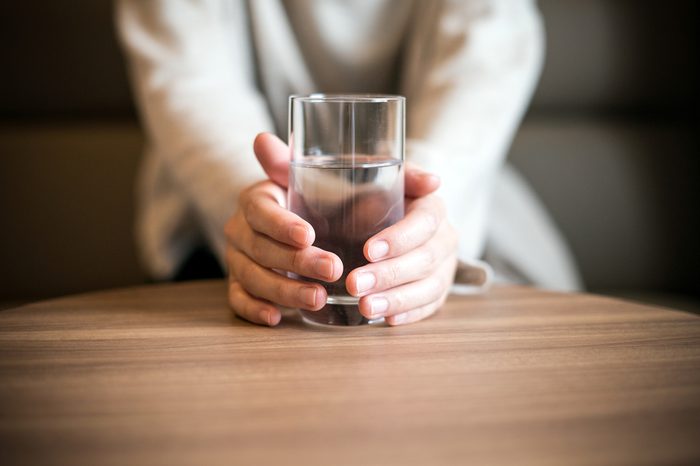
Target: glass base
[{"x": 340, "y": 311}]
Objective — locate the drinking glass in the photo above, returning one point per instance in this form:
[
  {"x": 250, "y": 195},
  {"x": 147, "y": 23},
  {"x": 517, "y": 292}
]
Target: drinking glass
[{"x": 345, "y": 179}]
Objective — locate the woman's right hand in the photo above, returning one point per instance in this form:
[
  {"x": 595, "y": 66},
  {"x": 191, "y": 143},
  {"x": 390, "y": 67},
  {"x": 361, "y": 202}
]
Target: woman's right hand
[{"x": 264, "y": 240}]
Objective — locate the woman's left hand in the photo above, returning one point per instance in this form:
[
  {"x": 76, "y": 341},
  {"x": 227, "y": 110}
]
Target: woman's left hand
[{"x": 412, "y": 263}]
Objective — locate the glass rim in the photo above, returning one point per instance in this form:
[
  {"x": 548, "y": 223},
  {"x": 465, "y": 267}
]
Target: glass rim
[{"x": 318, "y": 97}]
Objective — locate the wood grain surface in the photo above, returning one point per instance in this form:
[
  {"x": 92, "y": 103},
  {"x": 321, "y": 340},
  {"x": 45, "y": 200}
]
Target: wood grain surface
[{"x": 166, "y": 375}]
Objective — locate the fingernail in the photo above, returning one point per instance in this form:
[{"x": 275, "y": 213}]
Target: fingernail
[
  {"x": 378, "y": 306},
  {"x": 400, "y": 319},
  {"x": 264, "y": 316},
  {"x": 324, "y": 267},
  {"x": 365, "y": 281},
  {"x": 308, "y": 295},
  {"x": 378, "y": 249},
  {"x": 299, "y": 234}
]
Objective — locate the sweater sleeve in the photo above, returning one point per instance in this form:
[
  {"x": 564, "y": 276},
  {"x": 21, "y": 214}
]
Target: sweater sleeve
[
  {"x": 193, "y": 77},
  {"x": 469, "y": 71}
]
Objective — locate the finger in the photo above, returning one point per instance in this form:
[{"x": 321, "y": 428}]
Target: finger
[
  {"x": 309, "y": 262},
  {"x": 444, "y": 279},
  {"x": 419, "y": 183},
  {"x": 414, "y": 265},
  {"x": 264, "y": 214},
  {"x": 415, "y": 315},
  {"x": 423, "y": 218},
  {"x": 271, "y": 286},
  {"x": 251, "y": 309},
  {"x": 273, "y": 155},
  {"x": 403, "y": 298}
]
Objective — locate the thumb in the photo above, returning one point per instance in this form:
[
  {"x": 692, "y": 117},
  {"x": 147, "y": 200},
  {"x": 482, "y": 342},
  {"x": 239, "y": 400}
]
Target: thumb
[
  {"x": 273, "y": 155},
  {"x": 419, "y": 183}
]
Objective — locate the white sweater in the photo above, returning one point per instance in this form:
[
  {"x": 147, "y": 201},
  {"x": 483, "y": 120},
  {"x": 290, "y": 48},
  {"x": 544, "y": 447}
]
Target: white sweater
[{"x": 211, "y": 74}]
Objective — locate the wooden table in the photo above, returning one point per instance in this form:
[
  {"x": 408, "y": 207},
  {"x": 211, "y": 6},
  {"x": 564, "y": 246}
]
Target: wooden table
[{"x": 166, "y": 375}]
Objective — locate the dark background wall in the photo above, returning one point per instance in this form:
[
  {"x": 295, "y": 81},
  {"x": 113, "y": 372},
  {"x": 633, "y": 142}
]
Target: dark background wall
[
  {"x": 69, "y": 149},
  {"x": 611, "y": 141},
  {"x": 610, "y": 144}
]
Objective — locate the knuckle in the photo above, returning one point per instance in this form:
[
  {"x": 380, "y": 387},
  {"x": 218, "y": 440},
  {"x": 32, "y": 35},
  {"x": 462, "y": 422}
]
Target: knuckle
[
  {"x": 402, "y": 239},
  {"x": 423, "y": 312},
  {"x": 297, "y": 260},
  {"x": 436, "y": 287},
  {"x": 257, "y": 249},
  {"x": 280, "y": 229},
  {"x": 243, "y": 196},
  {"x": 429, "y": 259},
  {"x": 432, "y": 220},
  {"x": 236, "y": 238},
  {"x": 235, "y": 296},
  {"x": 234, "y": 226},
  {"x": 228, "y": 255},
  {"x": 246, "y": 195},
  {"x": 280, "y": 292},
  {"x": 394, "y": 274},
  {"x": 230, "y": 227},
  {"x": 234, "y": 267},
  {"x": 246, "y": 274},
  {"x": 399, "y": 302},
  {"x": 253, "y": 209}
]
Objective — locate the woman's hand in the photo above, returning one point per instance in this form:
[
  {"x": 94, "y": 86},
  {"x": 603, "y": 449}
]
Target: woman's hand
[
  {"x": 412, "y": 263},
  {"x": 263, "y": 236}
]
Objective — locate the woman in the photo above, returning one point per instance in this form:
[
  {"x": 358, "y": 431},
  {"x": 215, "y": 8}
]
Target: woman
[{"x": 210, "y": 75}]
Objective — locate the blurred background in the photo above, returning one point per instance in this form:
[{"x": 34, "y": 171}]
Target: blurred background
[{"x": 610, "y": 144}]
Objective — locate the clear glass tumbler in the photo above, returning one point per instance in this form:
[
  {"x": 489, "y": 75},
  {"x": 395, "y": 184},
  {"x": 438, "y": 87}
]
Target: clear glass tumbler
[{"x": 346, "y": 179}]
